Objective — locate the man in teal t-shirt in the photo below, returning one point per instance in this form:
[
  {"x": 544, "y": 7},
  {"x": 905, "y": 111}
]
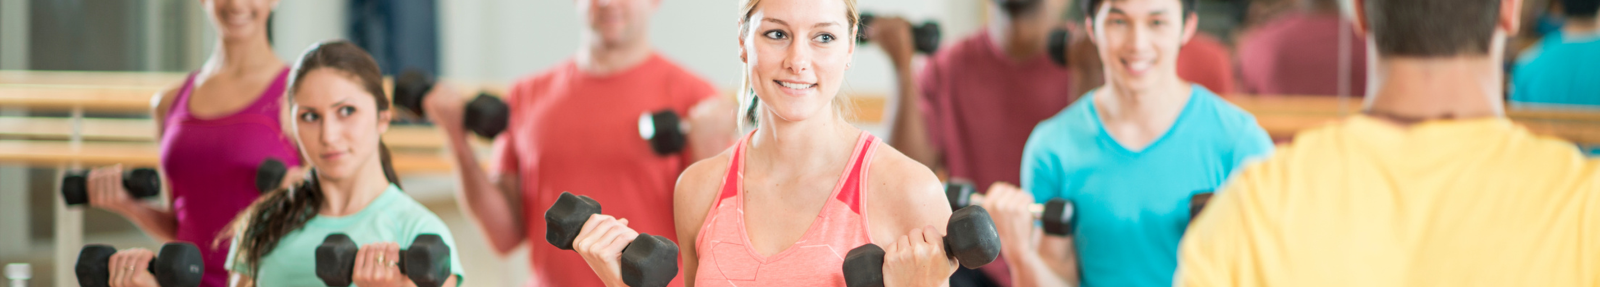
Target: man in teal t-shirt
[
  {"x": 1128, "y": 154},
  {"x": 392, "y": 217},
  {"x": 1564, "y": 68}
]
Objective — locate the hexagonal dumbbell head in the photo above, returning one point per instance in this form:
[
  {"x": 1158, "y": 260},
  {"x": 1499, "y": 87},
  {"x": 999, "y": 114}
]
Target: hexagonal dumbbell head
[
  {"x": 1058, "y": 217},
  {"x": 178, "y": 265},
  {"x": 269, "y": 175},
  {"x": 409, "y": 87},
  {"x": 664, "y": 131},
  {"x": 91, "y": 267},
  {"x": 649, "y": 261},
  {"x": 486, "y": 115},
  {"x": 565, "y": 218},
  {"x": 970, "y": 237},
  {"x": 336, "y": 258},
  {"x": 863, "y": 266},
  {"x": 959, "y": 193},
  {"x": 426, "y": 261}
]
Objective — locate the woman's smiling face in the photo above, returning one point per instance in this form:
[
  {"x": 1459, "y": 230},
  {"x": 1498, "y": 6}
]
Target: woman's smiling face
[{"x": 796, "y": 53}]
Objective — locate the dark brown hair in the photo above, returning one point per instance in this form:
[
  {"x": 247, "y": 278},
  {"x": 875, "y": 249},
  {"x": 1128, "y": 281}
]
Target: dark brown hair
[
  {"x": 1432, "y": 28},
  {"x": 278, "y": 212}
]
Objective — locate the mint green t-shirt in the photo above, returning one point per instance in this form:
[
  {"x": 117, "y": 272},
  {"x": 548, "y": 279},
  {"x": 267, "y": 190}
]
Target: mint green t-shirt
[{"x": 392, "y": 217}]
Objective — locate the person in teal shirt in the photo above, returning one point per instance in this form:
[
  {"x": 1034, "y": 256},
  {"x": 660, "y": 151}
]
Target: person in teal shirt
[
  {"x": 1564, "y": 67},
  {"x": 1128, "y": 155},
  {"x": 339, "y": 112}
]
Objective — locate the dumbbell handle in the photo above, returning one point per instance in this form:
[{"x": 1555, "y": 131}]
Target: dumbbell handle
[{"x": 1036, "y": 209}]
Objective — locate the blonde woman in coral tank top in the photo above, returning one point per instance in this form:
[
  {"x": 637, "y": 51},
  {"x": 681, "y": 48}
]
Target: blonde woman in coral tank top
[{"x": 784, "y": 205}]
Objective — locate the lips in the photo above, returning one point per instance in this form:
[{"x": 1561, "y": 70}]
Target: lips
[{"x": 333, "y": 155}]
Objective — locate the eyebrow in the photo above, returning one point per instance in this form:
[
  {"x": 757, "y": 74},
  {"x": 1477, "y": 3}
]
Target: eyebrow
[
  {"x": 335, "y": 104},
  {"x": 1114, "y": 10},
  {"x": 818, "y": 25}
]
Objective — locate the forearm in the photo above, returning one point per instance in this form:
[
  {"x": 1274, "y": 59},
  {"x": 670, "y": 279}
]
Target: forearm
[
  {"x": 496, "y": 214},
  {"x": 161, "y": 224},
  {"x": 910, "y": 133},
  {"x": 1029, "y": 269}
]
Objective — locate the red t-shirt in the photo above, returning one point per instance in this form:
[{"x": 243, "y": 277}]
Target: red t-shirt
[
  {"x": 1298, "y": 54},
  {"x": 1205, "y": 61},
  {"x": 570, "y": 131}
]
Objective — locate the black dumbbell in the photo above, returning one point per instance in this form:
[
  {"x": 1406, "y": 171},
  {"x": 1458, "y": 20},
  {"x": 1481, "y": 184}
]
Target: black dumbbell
[
  {"x": 486, "y": 115},
  {"x": 970, "y": 238},
  {"x": 1059, "y": 39},
  {"x": 177, "y": 265},
  {"x": 426, "y": 262},
  {"x": 925, "y": 37},
  {"x": 648, "y": 261},
  {"x": 141, "y": 183},
  {"x": 665, "y": 130},
  {"x": 1197, "y": 202},
  {"x": 1056, "y": 214}
]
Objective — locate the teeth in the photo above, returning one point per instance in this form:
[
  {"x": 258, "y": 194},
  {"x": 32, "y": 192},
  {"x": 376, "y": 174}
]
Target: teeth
[
  {"x": 795, "y": 86},
  {"x": 1139, "y": 66}
]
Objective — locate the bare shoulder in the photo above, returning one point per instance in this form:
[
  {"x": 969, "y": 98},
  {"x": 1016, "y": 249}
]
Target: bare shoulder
[
  {"x": 162, "y": 101},
  {"x": 903, "y": 194},
  {"x": 697, "y": 188},
  {"x": 161, "y": 105}
]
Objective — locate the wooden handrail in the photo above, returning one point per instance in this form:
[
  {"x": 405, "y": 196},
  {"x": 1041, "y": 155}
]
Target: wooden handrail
[{"x": 49, "y": 153}]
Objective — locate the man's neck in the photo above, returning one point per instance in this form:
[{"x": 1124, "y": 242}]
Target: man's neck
[
  {"x": 1020, "y": 38},
  {"x": 1413, "y": 90},
  {"x": 601, "y": 59},
  {"x": 1150, "y": 106},
  {"x": 1581, "y": 26}
]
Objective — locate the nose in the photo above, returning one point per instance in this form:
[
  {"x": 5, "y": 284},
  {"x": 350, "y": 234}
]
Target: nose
[
  {"x": 1139, "y": 40},
  {"x": 329, "y": 132},
  {"x": 798, "y": 59}
]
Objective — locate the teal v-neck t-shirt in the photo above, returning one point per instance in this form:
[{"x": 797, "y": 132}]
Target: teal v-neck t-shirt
[
  {"x": 1133, "y": 206},
  {"x": 392, "y": 217}
]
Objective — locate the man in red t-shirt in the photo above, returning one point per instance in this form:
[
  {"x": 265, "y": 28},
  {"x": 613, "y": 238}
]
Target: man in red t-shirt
[{"x": 575, "y": 127}]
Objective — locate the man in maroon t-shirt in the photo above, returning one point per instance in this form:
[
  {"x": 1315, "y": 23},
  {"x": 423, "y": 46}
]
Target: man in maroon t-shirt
[
  {"x": 1297, "y": 53},
  {"x": 970, "y": 109}
]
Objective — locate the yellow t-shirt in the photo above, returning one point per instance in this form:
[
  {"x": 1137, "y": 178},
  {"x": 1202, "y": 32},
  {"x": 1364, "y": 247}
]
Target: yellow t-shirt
[{"x": 1367, "y": 203}]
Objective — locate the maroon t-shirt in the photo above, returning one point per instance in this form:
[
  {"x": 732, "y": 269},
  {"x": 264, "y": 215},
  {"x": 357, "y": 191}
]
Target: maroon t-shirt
[
  {"x": 1298, "y": 54},
  {"x": 980, "y": 106}
]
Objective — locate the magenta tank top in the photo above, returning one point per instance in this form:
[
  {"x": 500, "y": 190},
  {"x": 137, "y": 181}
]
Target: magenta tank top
[
  {"x": 724, "y": 248},
  {"x": 210, "y": 165}
]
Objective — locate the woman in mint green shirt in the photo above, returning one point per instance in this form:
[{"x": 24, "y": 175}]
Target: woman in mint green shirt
[{"x": 339, "y": 112}]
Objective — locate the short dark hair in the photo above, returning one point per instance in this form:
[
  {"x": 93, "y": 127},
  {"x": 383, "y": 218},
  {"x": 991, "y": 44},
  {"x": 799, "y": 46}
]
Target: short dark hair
[
  {"x": 1583, "y": 9},
  {"x": 1432, "y": 28},
  {"x": 1091, "y": 6}
]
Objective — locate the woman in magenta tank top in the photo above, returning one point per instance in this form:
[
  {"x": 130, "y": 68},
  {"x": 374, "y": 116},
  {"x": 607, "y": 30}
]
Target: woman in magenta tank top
[
  {"x": 214, "y": 129},
  {"x": 784, "y": 205}
]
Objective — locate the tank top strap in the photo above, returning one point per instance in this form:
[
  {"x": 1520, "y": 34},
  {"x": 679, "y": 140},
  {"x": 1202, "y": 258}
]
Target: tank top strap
[
  {"x": 732, "y": 181},
  {"x": 179, "y": 108},
  {"x": 850, "y": 193}
]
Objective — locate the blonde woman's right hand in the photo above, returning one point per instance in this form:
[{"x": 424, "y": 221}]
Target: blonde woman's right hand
[{"x": 600, "y": 242}]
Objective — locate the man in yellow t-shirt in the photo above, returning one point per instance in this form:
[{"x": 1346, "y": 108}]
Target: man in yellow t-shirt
[{"x": 1430, "y": 186}]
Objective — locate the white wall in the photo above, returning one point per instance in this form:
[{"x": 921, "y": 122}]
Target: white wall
[{"x": 501, "y": 40}]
